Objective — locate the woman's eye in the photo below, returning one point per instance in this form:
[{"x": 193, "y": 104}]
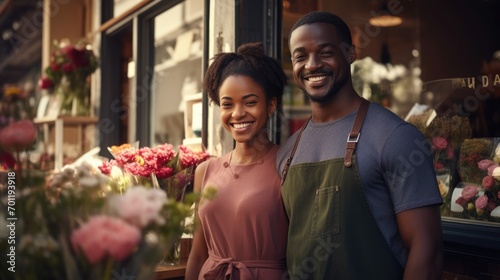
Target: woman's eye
[
  {"x": 251, "y": 103},
  {"x": 226, "y": 105}
]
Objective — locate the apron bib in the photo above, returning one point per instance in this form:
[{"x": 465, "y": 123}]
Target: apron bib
[{"x": 332, "y": 232}]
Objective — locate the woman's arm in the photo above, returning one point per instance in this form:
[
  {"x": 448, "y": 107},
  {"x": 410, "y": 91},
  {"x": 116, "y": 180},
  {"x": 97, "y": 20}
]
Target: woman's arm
[{"x": 199, "y": 250}]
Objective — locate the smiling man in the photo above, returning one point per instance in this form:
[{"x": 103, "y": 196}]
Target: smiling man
[{"x": 360, "y": 193}]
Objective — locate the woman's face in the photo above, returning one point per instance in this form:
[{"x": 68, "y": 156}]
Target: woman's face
[{"x": 244, "y": 108}]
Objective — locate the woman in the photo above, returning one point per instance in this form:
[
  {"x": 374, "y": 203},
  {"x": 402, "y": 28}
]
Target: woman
[{"x": 242, "y": 231}]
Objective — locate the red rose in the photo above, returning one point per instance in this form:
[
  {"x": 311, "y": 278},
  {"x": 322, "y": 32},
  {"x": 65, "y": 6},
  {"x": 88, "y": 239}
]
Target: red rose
[
  {"x": 45, "y": 83},
  {"x": 7, "y": 160},
  {"x": 439, "y": 143},
  {"x": 488, "y": 182},
  {"x": 18, "y": 135},
  {"x": 54, "y": 66},
  {"x": 68, "y": 67}
]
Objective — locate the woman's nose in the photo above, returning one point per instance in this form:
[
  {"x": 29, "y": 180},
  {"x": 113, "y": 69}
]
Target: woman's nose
[{"x": 238, "y": 112}]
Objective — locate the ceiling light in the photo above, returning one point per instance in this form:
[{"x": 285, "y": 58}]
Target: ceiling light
[
  {"x": 385, "y": 17},
  {"x": 386, "y": 20}
]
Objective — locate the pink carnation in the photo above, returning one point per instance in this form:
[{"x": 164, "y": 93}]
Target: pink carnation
[
  {"x": 484, "y": 164},
  {"x": 104, "y": 236},
  {"x": 482, "y": 202},
  {"x": 107, "y": 166},
  {"x": 488, "y": 182},
  {"x": 469, "y": 192},
  {"x": 439, "y": 143}
]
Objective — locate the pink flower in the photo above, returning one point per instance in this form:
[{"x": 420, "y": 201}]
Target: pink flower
[
  {"x": 18, "y": 135},
  {"x": 488, "y": 182},
  {"x": 491, "y": 168},
  {"x": 140, "y": 206},
  {"x": 484, "y": 164},
  {"x": 482, "y": 202},
  {"x": 469, "y": 192},
  {"x": 439, "y": 143},
  {"x": 104, "y": 236}
]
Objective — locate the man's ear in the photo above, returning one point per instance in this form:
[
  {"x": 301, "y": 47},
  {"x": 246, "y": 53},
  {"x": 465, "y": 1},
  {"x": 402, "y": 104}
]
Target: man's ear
[{"x": 351, "y": 55}]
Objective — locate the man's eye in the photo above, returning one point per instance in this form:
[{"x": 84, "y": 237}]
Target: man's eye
[{"x": 298, "y": 58}]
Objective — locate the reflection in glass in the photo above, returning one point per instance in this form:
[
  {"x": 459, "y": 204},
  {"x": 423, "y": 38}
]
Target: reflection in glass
[{"x": 177, "y": 69}]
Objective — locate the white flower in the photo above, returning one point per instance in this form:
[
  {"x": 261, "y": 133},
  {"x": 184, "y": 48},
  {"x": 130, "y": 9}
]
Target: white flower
[
  {"x": 496, "y": 173},
  {"x": 140, "y": 205}
]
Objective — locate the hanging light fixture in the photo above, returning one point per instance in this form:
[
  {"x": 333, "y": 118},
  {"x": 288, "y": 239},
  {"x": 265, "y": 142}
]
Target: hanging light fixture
[{"x": 384, "y": 18}]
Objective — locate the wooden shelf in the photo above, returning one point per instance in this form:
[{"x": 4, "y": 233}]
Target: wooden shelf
[
  {"x": 170, "y": 272},
  {"x": 59, "y": 124}
]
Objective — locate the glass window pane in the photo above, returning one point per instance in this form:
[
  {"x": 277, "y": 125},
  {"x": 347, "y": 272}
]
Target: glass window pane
[
  {"x": 177, "y": 69},
  {"x": 120, "y": 6}
]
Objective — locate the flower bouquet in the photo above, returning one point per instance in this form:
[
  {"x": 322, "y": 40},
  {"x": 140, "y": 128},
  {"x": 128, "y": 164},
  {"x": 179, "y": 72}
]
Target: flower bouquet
[
  {"x": 445, "y": 135},
  {"x": 77, "y": 226},
  {"x": 67, "y": 75},
  {"x": 161, "y": 168},
  {"x": 479, "y": 197}
]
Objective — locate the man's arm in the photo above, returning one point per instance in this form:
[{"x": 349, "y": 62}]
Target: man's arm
[{"x": 421, "y": 232}]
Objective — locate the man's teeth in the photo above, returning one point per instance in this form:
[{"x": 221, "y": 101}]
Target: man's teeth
[
  {"x": 316, "y": 79},
  {"x": 241, "y": 125}
]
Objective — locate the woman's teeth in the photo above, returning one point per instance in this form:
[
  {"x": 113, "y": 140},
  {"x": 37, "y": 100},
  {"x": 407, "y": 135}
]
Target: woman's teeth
[{"x": 241, "y": 125}]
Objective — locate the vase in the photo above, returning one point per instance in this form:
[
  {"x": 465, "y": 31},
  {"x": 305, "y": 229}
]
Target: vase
[
  {"x": 173, "y": 254},
  {"x": 74, "y": 99},
  {"x": 175, "y": 185}
]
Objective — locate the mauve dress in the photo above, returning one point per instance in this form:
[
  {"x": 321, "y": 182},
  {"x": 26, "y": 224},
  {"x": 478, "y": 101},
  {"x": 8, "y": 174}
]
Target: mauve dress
[{"x": 245, "y": 225}]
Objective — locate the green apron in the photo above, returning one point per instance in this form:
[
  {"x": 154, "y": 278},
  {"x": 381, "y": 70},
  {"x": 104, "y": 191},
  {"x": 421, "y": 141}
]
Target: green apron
[{"x": 332, "y": 232}]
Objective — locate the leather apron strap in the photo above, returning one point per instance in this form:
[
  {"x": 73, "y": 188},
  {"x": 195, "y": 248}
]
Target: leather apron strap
[{"x": 352, "y": 138}]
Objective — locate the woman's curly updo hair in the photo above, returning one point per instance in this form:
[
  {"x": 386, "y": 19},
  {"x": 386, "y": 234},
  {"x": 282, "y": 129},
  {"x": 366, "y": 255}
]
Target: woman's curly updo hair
[{"x": 249, "y": 60}]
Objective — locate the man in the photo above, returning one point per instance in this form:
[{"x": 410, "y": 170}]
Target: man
[{"x": 365, "y": 208}]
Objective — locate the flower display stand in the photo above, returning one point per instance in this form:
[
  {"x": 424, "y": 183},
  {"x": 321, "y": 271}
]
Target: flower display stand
[{"x": 61, "y": 125}]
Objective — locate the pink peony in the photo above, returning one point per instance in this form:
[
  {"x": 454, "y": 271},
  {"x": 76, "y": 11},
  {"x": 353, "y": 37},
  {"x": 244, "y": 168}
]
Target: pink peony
[
  {"x": 439, "y": 143},
  {"x": 18, "y": 135},
  {"x": 482, "y": 202},
  {"x": 104, "y": 236},
  {"x": 469, "y": 192},
  {"x": 141, "y": 206},
  {"x": 488, "y": 182},
  {"x": 484, "y": 164}
]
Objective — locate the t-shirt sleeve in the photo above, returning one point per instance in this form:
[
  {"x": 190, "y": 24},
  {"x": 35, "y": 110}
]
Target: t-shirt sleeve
[{"x": 409, "y": 170}]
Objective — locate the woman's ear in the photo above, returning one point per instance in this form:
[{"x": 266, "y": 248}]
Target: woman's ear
[{"x": 273, "y": 104}]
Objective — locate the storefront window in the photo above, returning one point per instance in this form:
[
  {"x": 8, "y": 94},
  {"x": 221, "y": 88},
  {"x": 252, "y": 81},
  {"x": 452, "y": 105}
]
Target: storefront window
[
  {"x": 178, "y": 49},
  {"x": 121, "y": 6}
]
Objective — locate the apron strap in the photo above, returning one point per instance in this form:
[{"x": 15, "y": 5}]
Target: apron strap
[
  {"x": 292, "y": 153},
  {"x": 353, "y": 137}
]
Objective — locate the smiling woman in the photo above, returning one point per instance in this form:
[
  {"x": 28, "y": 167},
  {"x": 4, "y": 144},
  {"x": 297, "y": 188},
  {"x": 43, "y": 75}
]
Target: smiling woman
[{"x": 246, "y": 85}]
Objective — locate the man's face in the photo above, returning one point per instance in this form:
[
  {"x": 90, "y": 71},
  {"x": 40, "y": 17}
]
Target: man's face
[{"x": 321, "y": 61}]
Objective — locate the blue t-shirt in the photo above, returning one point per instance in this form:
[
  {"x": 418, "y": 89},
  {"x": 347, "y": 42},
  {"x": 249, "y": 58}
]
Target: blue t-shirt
[{"x": 394, "y": 162}]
